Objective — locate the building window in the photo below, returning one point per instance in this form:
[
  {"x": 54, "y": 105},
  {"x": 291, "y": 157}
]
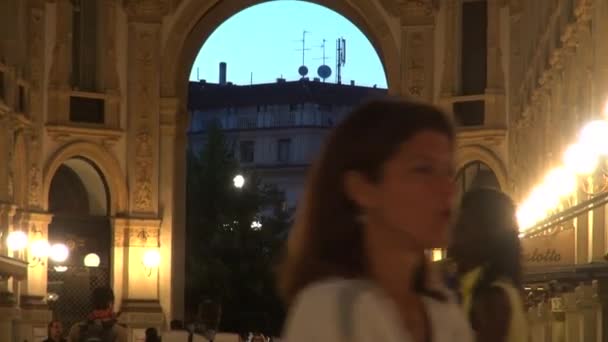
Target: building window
[
  {"x": 469, "y": 113},
  {"x": 246, "y": 151},
  {"x": 87, "y": 110},
  {"x": 246, "y": 122},
  {"x": 293, "y": 107},
  {"x": 474, "y": 49},
  {"x": 283, "y": 150},
  {"x": 84, "y": 44}
]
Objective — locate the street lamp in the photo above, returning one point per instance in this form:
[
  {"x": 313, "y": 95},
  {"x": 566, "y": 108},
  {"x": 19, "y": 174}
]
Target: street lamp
[
  {"x": 239, "y": 181},
  {"x": 16, "y": 240},
  {"x": 59, "y": 252}
]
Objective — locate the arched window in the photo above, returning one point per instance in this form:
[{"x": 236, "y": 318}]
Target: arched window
[{"x": 475, "y": 175}]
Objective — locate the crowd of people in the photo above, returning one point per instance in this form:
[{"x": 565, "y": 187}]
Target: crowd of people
[{"x": 381, "y": 195}]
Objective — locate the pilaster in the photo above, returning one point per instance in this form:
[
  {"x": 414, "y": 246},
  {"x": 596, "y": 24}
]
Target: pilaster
[
  {"x": 133, "y": 237},
  {"x": 35, "y": 314},
  {"x": 417, "y": 49}
]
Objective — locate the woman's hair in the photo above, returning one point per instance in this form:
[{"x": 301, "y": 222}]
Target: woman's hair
[
  {"x": 326, "y": 239},
  {"x": 488, "y": 231}
]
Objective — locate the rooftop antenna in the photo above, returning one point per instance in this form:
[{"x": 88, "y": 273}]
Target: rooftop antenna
[
  {"x": 340, "y": 58},
  {"x": 303, "y": 70},
  {"x": 324, "y": 71},
  {"x": 197, "y": 77}
]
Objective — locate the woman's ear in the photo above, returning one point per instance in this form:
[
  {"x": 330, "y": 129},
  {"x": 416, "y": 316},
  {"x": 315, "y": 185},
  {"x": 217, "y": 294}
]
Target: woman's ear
[{"x": 360, "y": 190}]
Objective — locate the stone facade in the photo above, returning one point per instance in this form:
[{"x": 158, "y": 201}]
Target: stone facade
[{"x": 546, "y": 73}]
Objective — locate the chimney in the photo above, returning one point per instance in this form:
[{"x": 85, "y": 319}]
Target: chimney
[
  {"x": 222, "y": 73},
  {"x": 352, "y": 82}
]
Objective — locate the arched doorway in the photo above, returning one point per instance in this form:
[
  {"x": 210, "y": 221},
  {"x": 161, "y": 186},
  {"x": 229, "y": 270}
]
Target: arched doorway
[
  {"x": 191, "y": 25},
  {"x": 79, "y": 201},
  {"x": 475, "y": 174}
]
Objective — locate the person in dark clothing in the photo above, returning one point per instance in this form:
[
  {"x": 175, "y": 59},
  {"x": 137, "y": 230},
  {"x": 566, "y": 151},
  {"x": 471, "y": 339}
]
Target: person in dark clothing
[
  {"x": 102, "y": 322},
  {"x": 55, "y": 332}
]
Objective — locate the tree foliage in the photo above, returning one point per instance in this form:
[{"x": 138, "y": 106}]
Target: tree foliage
[{"x": 228, "y": 261}]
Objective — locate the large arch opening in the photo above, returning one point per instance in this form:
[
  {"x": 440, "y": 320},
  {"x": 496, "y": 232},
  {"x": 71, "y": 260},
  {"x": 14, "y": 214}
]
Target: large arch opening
[
  {"x": 79, "y": 201},
  {"x": 197, "y": 22}
]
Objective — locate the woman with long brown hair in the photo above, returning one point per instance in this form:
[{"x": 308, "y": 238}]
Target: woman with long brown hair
[
  {"x": 378, "y": 197},
  {"x": 487, "y": 252}
]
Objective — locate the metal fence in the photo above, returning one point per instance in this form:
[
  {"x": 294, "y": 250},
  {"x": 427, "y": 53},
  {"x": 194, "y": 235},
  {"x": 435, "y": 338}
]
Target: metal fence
[{"x": 70, "y": 292}]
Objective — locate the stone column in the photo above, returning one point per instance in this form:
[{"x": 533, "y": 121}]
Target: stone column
[
  {"x": 140, "y": 292},
  {"x": 136, "y": 287},
  {"x": 34, "y": 310},
  {"x": 417, "y": 49},
  {"x": 172, "y": 198}
]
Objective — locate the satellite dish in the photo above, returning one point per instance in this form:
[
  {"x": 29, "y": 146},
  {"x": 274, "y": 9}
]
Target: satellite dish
[
  {"x": 324, "y": 71},
  {"x": 303, "y": 70}
]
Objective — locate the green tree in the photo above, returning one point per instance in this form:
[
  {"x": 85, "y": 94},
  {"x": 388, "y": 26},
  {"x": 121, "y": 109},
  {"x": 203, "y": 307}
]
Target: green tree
[{"x": 227, "y": 260}]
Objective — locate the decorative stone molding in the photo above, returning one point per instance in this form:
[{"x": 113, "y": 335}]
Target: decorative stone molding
[
  {"x": 106, "y": 137},
  {"x": 133, "y": 232},
  {"x": 415, "y": 63},
  {"x": 143, "y": 171},
  {"x": 103, "y": 160}
]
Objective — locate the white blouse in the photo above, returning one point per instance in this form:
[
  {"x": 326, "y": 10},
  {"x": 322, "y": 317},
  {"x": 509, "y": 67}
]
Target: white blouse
[{"x": 357, "y": 310}]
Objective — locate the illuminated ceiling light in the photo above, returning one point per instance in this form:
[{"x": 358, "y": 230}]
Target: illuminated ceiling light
[
  {"x": 40, "y": 248},
  {"x": 239, "y": 181},
  {"x": 60, "y": 269},
  {"x": 595, "y": 135},
  {"x": 151, "y": 259},
  {"x": 16, "y": 240},
  {"x": 91, "y": 260},
  {"x": 59, "y": 252},
  {"x": 581, "y": 159}
]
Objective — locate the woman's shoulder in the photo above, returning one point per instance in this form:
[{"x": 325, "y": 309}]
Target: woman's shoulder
[{"x": 338, "y": 310}]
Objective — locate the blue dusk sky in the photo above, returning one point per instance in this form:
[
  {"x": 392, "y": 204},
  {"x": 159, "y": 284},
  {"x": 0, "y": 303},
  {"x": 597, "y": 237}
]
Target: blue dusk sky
[{"x": 265, "y": 39}]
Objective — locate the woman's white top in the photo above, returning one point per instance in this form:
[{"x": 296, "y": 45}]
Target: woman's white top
[{"x": 357, "y": 310}]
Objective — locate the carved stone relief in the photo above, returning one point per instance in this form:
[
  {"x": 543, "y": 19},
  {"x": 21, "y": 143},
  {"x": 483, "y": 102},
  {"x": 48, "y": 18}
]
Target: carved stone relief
[
  {"x": 143, "y": 166},
  {"x": 415, "y": 64},
  {"x": 34, "y": 188}
]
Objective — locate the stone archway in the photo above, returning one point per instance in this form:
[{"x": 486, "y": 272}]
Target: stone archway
[
  {"x": 78, "y": 200},
  {"x": 187, "y": 28},
  {"x": 108, "y": 167},
  {"x": 195, "y": 22},
  {"x": 472, "y": 153}
]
